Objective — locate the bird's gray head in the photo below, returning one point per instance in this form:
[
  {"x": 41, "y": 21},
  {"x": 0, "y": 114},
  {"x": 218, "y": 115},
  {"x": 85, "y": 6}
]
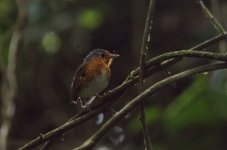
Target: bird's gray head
[{"x": 100, "y": 53}]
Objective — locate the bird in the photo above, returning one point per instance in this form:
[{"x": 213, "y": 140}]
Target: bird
[{"x": 92, "y": 76}]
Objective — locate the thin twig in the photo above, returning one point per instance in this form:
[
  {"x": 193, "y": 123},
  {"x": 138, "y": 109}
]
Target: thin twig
[
  {"x": 217, "y": 12},
  {"x": 49, "y": 143},
  {"x": 143, "y": 53},
  {"x": 93, "y": 140},
  {"x": 9, "y": 86},
  {"x": 212, "y": 19},
  {"x": 180, "y": 54},
  {"x": 130, "y": 81},
  {"x": 60, "y": 130},
  {"x": 210, "y": 42}
]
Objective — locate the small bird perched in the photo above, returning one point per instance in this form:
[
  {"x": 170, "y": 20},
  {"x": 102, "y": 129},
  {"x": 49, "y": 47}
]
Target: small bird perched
[{"x": 92, "y": 76}]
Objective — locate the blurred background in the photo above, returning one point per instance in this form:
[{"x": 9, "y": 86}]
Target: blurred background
[{"x": 192, "y": 114}]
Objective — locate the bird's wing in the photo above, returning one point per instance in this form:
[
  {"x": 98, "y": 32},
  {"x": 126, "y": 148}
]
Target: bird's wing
[{"x": 77, "y": 82}]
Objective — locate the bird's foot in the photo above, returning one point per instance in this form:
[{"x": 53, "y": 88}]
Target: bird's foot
[
  {"x": 84, "y": 104},
  {"x": 74, "y": 102}
]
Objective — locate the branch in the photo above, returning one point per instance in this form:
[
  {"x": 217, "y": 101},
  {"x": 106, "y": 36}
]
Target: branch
[
  {"x": 210, "y": 42},
  {"x": 144, "y": 48},
  {"x": 180, "y": 54},
  {"x": 60, "y": 130},
  {"x": 200, "y": 46},
  {"x": 9, "y": 86},
  {"x": 146, "y": 39},
  {"x": 212, "y": 19},
  {"x": 93, "y": 140},
  {"x": 49, "y": 143},
  {"x": 217, "y": 12},
  {"x": 100, "y": 106}
]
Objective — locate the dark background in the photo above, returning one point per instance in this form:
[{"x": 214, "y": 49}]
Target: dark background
[{"x": 189, "y": 115}]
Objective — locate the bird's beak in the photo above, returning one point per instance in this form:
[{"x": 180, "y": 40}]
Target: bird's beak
[{"x": 114, "y": 55}]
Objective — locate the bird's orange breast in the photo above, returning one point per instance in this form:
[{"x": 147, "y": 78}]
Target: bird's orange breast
[
  {"x": 97, "y": 78},
  {"x": 95, "y": 68}
]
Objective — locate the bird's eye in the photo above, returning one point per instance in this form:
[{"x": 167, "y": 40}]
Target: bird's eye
[{"x": 103, "y": 55}]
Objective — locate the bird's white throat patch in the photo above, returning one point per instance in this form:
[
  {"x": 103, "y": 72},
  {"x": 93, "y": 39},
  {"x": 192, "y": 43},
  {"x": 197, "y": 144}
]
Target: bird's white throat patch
[{"x": 110, "y": 62}]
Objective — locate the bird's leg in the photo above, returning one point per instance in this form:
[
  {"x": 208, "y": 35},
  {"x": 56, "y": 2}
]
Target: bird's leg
[
  {"x": 87, "y": 106},
  {"x": 74, "y": 102},
  {"x": 84, "y": 104}
]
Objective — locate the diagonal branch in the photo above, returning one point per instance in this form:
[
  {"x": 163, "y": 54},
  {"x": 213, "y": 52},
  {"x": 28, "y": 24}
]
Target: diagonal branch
[
  {"x": 212, "y": 19},
  {"x": 93, "y": 140},
  {"x": 210, "y": 42},
  {"x": 217, "y": 12},
  {"x": 180, "y": 54}
]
